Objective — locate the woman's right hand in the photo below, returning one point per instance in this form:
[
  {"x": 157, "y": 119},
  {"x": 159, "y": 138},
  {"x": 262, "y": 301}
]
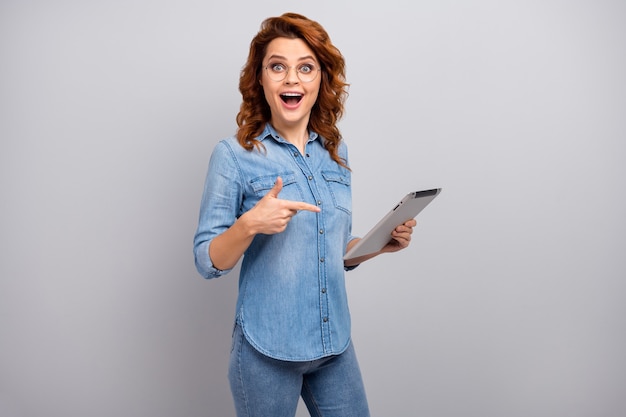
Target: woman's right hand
[{"x": 271, "y": 214}]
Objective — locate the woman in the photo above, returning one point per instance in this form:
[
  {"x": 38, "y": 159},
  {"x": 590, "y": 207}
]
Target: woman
[{"x": 278, "y": 194}]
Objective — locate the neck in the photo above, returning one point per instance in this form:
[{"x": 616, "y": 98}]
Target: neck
[{"x": 296, "y": 135}]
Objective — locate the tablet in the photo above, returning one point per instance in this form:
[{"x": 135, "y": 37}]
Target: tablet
[{"x": 408, "y": 208}]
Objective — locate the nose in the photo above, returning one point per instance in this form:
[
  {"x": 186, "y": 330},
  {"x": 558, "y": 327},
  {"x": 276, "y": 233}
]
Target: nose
[{"x": 292, "y": 76}]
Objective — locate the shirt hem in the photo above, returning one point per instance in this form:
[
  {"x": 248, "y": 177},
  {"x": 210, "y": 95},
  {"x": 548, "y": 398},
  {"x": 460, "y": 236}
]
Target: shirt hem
[{"x": 267, "y": 353}]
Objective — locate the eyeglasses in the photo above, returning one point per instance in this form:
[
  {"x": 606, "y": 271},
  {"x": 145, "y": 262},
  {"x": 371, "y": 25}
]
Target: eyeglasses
[{"x": 305, "y": 72}]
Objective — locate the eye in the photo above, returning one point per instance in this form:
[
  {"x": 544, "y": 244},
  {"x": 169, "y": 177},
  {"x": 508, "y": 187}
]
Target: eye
[
  {"x": 277, "y": 67},
  {"x": 306, "y": 68}
]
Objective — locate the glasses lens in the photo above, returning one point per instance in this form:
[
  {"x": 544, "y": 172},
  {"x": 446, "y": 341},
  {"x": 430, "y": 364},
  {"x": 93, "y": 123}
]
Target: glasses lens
[
  {"x": 307, "y": 72},
  {"x": 276, "y": 72}
]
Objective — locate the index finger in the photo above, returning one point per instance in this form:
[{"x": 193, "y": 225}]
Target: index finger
[
  {"x": 410, "y": 223},
  {"x": 301, "y": 205}
]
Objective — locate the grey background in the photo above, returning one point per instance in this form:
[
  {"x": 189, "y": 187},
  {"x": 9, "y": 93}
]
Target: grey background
[{"x": 511, "y": 300}]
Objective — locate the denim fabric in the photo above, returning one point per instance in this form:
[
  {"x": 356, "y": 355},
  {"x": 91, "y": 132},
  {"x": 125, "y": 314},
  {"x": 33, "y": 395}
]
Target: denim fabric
[
  {"x": 292, "y": 302},
  {"x": 266, "y": 387}
]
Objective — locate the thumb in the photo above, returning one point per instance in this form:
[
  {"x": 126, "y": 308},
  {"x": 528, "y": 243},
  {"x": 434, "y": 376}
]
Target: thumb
[{"x": 278, "y": 186}]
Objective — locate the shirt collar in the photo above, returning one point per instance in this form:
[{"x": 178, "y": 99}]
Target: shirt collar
[{"x": 270, "y": 132}]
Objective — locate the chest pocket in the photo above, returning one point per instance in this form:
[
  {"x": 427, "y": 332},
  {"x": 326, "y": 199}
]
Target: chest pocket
[
  {"x": 339, "y": 186},
  {"x": 291, "y": 189}
]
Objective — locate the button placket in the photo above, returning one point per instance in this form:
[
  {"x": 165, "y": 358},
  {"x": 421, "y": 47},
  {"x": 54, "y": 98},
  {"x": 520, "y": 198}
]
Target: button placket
[{"x": 324, "y": 317}]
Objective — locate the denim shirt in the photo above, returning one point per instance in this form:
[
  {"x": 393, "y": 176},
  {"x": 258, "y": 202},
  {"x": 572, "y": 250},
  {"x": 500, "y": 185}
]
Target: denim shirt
[{"x": 292, "y": 302}]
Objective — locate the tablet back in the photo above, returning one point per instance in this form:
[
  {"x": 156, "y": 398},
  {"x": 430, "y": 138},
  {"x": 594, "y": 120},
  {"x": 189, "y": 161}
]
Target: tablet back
[{"x": 408, "y": 208}]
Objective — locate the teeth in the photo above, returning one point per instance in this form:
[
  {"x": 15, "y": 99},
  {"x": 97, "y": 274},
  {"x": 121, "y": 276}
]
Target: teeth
[{"x": 291, "y": 94}]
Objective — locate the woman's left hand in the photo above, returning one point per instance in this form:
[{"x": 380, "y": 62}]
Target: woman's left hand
[{"x": 401, "y": 237}]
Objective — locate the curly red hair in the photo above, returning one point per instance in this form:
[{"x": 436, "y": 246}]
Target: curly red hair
[{"x": 255, "y": 112}]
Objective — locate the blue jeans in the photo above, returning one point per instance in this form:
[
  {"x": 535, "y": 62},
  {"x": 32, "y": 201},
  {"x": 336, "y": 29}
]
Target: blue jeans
[{"x": 267, "y": 387}]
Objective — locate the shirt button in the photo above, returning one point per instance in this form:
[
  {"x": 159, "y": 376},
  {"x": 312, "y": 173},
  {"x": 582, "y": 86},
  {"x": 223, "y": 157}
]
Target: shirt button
[
  {"x": 325, "y": 319},
  {"x": 321, "y": 231},
  {"x": 321, "y": 259},
  {"x": 307, "y": 155},
  {"x": 295, "y": 154},
  {"x": 310, "y": 177},
  {"x": 319, "y": 203},
  {"x": 323, "y": 290}
]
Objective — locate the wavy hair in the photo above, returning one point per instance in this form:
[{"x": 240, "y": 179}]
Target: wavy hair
[{"x": 255, "y": 112}]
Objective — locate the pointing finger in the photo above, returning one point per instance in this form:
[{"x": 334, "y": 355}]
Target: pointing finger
[{"x": 299, "y": 205}]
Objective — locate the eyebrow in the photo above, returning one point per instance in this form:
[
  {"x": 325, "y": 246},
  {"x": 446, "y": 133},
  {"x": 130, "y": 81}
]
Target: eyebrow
[{"x": 304, "y": 58}]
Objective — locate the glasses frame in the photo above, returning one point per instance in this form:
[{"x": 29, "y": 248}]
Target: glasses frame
[{"x": 270, "y": 73}]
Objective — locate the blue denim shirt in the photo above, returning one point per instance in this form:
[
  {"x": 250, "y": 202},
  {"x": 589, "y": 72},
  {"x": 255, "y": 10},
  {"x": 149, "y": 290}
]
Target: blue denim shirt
[{"x": 292, "y": 302}]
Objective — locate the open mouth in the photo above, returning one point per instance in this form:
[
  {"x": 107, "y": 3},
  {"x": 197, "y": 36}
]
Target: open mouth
[{"x": 291, "y": 98}]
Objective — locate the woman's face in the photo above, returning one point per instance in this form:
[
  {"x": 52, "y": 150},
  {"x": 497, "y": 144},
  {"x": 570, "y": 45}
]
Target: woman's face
[{"x": 290, "y": 99}]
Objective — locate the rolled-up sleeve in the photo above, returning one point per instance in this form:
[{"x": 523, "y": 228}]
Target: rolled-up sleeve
[{"x": 219, "y": 207}]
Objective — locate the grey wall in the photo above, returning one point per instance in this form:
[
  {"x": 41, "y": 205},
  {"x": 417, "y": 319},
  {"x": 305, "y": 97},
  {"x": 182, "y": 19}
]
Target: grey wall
[{"x": 511, "y": 300}]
